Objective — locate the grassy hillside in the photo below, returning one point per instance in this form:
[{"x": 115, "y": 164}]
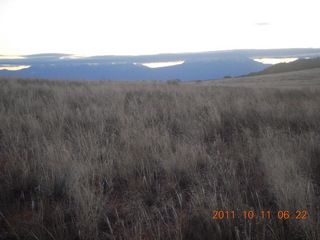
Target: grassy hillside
[
  {"x": 151, "y": 160},
  {"x": 298, "y": 65},
  {"x": 292, "y": 80}
]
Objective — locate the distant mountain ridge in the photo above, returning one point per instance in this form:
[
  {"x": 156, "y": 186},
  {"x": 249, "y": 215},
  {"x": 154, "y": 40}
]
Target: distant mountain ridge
[
  {"x": 196, "y": 66},
  {"x": 189, "y": 70},
  {"x": 300, "y": 64}
]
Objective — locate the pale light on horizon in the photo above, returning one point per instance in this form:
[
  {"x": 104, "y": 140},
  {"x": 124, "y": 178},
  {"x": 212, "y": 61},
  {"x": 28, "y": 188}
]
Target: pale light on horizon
[
  {"x": 13, "y": 67},
  {"x": 274, "y": 60},
  {"x": 74, "y": 57},
  {"x": 11, "y": 57},
  {"x": 162, "y": 64}
]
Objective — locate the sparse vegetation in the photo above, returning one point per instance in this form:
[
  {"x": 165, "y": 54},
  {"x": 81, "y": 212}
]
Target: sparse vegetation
[{"x": 147, "y": 160}]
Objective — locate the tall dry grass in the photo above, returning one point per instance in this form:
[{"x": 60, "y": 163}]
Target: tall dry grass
[{"x": 150, "y": 160}]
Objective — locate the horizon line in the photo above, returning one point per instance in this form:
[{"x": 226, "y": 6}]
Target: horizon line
[{"x": 77, "y": 55}]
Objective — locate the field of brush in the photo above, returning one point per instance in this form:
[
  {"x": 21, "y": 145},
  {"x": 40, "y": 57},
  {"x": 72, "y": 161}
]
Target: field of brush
[{"x": 155, "y": 160}]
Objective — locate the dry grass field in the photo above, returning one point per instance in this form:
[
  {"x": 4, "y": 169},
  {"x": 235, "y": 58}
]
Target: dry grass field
[{"x": 152, "y": 160}]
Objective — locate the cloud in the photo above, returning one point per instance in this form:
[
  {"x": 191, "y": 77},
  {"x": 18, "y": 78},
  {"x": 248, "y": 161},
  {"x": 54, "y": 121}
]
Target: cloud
[{"x": 262, "y": 24}]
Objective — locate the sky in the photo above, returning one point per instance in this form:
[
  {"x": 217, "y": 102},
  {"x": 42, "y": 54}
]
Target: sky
[{"x": 139, "y": 27}]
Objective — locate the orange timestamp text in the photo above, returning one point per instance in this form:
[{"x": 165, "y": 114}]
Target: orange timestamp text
[{"x": 259, "y": 215}]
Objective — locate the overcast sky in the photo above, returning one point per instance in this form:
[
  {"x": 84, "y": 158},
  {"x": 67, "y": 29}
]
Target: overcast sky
[{"x": 135, "y": 27}]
